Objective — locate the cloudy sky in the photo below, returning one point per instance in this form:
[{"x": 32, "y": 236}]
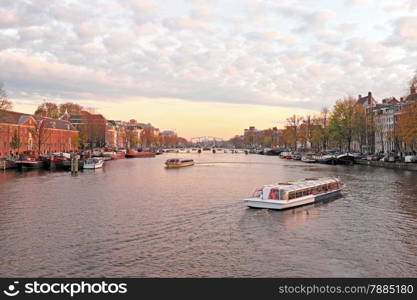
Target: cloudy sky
[{"x": 205, "y": 67}]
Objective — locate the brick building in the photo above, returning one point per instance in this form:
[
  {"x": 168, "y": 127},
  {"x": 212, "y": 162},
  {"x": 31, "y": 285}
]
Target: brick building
[
  {"x": 59, "y": 135},
  {"x": 92, "y": 128}
]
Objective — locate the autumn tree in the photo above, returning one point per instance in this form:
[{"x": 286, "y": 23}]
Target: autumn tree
[
  {"x": 48, "y": 109},
  {"x": 71, "y": 108},
  {"x": 132, "y": 139},
  {"x": 147, "y": 137},
  {"x": 4, "y": 100},
  {"x": 406, "y": 129},
  {"x": 342, "y": 122},
  {"x": 40, "y": 135},
  {"x": 236, "y": 141},
  {"x": 291, "y": 131}
]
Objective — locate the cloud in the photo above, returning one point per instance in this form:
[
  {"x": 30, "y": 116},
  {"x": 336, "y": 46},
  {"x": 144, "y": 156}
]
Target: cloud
[
  {"x": 403, "y": 33},
  {"x": 260, "y": 52},
  {"x": 357, "y": 2}
]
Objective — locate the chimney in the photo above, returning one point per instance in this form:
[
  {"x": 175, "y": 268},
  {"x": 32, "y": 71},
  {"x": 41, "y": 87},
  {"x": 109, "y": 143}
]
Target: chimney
[
  {"x": 402, "y": 99},
  {"x": 369, "y": 98},
  {"x": 359, "y": 96}
]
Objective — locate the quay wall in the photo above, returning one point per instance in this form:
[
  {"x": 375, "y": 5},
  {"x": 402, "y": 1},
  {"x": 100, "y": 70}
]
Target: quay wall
[{"x": 390, "y": 165}]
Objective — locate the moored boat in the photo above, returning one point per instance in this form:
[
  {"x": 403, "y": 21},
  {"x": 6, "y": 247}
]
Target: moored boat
[
  {"x": 93, "y": 163},
  {"x": 7, "y": 164},
  {"x": 118, "y": 155},
  {"x": 285, "y": 155},
  {"x": 133, "y": 154},
  {"x": 178, "y": 163},
  {"x": 296, "y": 193},
  {"x": 326, "y": 159},
  {"x": 58, "y": 161},
  {"x": 29, "y": 163},
  {"x": 308, "y": 159}
]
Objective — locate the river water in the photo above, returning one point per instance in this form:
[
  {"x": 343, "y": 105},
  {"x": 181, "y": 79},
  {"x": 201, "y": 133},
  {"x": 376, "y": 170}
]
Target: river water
[{"x": 135, "y": 218}]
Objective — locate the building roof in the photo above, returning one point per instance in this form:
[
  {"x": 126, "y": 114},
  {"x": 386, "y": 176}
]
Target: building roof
[
  {"x": 303, "y": 184},
  {"x": 16, "y": 118},
  {"x": 411, "y": 97},
  {"x": 366, "y": 100}
]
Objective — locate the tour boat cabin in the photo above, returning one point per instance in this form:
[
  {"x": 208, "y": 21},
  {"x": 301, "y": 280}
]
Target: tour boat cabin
[{"x": 294, "y": 193}]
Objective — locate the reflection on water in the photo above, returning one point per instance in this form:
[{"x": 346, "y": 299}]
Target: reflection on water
[{"x": 136, "y": 218}]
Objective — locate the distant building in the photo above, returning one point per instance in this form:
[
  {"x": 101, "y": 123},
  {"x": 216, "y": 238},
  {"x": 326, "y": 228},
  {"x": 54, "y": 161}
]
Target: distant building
[
  {"x": 368, "y": 103},
  {"x": 384, "y": 120},
  {"x": 92, "y": 128}
]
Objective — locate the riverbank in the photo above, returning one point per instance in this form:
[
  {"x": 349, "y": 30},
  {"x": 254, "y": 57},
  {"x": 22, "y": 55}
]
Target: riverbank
[{"x": 389, "y": 165}]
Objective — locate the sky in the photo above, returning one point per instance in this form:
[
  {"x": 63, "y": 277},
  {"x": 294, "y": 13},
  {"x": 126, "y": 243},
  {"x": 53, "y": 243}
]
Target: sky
[{"x": 205, "y": 67}]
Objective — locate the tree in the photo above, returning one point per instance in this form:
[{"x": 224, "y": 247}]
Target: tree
[
  {"x": 4, "y": 101},
  {"x": 292, "y": 130},
  {"x": 406, "y": 130},
  {"x": 40, "y": 135},
  {"x": 71, "y": 108},
  {"x": 48, "y": 109},
  {"x": 236, "y": 141},
  {"x": 147, "y": 137},
  {"x": 342, "y": 122},
  {"x": 132, "y": 139},
  {"x": 267, "y": 141},
  {"x": 15, "y": 143}
]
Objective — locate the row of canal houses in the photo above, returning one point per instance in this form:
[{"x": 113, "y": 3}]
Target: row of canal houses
[
  {"x": 384, "y": 116},
  {"x": 22, "y": 133}
]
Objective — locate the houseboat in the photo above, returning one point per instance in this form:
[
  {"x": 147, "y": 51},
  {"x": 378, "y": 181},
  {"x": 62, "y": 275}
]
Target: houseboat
[
  {"x": 58, "y": 161},
  {"x": 29, "y": 163},
  {"x": 93, "y": 163},
  {"x": 133, "y": 154},
  {"x": 296, "y": 193},
  {"x": 178, "y": 163}
]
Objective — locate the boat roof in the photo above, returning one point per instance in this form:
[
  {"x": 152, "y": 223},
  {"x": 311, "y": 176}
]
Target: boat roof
[{"x": 302, "y": 184}]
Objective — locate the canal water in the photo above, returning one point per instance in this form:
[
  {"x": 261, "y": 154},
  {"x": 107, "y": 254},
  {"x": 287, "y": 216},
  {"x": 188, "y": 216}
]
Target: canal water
[{"x": 135, "y": 218}]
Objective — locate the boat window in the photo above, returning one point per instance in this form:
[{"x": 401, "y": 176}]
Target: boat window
[
  {"x": 306, "y": 192},
  {"x": 257, "y": 193},
  {"x": 298, "y": 194},
  {"x": 291, "y": 195}
]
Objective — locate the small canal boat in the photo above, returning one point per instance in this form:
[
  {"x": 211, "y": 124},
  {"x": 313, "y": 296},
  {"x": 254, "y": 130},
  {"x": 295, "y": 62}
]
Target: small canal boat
[
  {"x": 93, "y": 163},
  {"x": 295, "y": 193},
  {"x": 178, "y": 163}
]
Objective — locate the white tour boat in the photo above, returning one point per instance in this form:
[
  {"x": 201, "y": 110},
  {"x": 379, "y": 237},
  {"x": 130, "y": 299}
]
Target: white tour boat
[
  {"x": 295, "y": 193},
  {"x": 93, "y": 163}
]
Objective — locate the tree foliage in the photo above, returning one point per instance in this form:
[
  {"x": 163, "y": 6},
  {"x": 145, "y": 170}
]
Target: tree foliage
[{"x": 48, "y": 109}]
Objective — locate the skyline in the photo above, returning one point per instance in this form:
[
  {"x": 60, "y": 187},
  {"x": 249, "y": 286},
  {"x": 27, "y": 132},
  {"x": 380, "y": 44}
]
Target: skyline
[{"x": 205, "y": 67}]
